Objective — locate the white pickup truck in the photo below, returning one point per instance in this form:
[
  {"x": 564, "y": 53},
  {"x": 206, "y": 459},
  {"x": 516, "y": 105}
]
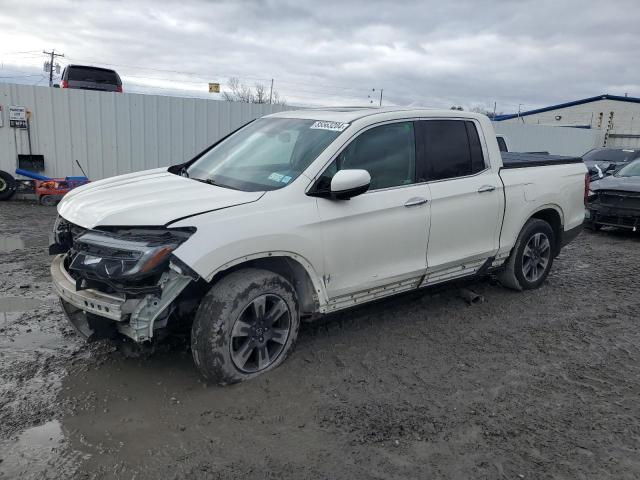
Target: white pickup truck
[{"x": 304, "y": 213}]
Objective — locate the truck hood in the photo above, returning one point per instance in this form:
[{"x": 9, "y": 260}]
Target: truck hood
[
  {"x": 153, "y": 197},
  {"x": 627, "y": 184}
]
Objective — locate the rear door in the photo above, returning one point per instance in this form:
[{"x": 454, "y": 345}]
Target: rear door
[
  {"x": 466, "y": 198},
  {"x": 376, "y": 243}
]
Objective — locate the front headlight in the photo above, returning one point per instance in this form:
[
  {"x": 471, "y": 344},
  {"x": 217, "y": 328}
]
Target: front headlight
[{"x": 127, "y": 254}]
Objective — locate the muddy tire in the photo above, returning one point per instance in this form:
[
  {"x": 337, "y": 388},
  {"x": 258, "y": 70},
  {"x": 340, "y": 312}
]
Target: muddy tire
[
  {"x": 7, "y": 185},
  {"x": 49, "y": 200},
  {"x": 531, "y": 258},
  {"x": 245, "y": 325}
]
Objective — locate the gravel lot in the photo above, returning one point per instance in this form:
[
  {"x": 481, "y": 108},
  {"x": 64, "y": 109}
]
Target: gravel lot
[{"x": 535, "y": 385}]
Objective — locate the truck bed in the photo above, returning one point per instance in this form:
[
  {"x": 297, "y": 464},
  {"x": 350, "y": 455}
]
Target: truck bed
[{"x": 524, "y": 160}]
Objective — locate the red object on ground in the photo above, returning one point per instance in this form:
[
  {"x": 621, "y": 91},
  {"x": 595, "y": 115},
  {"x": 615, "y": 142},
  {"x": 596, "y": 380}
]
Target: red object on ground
[{"x": 50, "y": 192}]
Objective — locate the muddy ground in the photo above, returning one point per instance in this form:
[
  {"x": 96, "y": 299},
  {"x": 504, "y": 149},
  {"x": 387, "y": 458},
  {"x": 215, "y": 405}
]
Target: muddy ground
[{"x": 538, "y": 385}]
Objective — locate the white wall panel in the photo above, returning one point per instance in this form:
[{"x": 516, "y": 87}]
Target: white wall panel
[
  {"x": 620, "y": 118},
  {"x": 113, "y": 133},
  {"x": 555, "y": 140}
]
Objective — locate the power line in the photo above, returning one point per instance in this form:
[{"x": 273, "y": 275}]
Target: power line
[
  {"x": 21, "y": 76},
  {"x": 318, "y": 93},
  {"x": 320, "y": 90},
  {"x": 20, "y": 53},
  {"x": 207, "y": 76}
]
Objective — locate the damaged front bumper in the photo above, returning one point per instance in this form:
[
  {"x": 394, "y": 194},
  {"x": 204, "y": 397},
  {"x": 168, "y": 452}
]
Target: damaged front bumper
[
  {"x": 612, "y": 217},
  {"x": 96, "y": 314}
]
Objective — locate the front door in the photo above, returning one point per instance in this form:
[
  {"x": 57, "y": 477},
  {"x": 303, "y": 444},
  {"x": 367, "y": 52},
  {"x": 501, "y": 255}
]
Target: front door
[{"x": 377, "y": 239}]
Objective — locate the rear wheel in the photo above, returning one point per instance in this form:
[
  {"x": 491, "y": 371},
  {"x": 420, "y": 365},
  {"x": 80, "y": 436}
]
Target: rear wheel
[
  {"x": 50, "y": 200},
  {"x": 245, "y": 325},
  {"x": 531, "y": 258},
  {"x": 7, "y": 185}
]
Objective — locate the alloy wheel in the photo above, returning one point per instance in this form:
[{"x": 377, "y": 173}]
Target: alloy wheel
[
  {"x": 535, "y": 258},
  {"x": 260, "y": 333}
]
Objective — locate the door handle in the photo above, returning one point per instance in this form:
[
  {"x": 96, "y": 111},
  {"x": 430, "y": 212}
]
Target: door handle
[
  {"x": 414, "y": 201},
  {"x": 486, "y": 188}
]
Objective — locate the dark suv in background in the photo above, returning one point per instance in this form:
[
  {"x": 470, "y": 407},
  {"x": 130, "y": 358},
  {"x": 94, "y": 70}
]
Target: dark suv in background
[
  {"x": 605, "y": 161},
  {"x": 86, "y": 77}
]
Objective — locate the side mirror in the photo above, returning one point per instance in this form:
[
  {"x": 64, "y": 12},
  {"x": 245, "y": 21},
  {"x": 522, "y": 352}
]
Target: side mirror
[
  {"x": 611, "y": 168},
  {"x": 347, "y": 184}
]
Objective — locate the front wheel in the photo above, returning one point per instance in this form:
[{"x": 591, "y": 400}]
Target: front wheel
[
  {"x": 531, "y": 258},
  {"x": 245, "y": 325}
]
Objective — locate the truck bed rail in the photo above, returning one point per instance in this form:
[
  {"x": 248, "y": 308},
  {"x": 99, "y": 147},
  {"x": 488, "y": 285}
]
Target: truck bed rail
[{"x": 525, "y": 160}]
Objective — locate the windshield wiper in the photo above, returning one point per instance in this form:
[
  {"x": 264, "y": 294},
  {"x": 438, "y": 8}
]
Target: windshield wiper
[{"x": 210, "y": 181}]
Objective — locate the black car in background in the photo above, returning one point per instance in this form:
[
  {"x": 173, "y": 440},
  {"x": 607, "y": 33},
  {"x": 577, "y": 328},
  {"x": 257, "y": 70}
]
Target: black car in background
[
  {"x": 604, "y": 161},
  {"x": 86, "y": 77},
  {"x": 615, "y": 200}
]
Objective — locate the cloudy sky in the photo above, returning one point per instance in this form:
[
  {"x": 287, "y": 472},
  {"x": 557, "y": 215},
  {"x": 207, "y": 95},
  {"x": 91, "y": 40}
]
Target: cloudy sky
[{"x": 427, "y": 53}]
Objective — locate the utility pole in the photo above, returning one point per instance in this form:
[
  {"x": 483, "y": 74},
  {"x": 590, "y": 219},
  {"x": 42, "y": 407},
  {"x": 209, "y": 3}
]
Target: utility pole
[
  {"x": 381, "y": 90},
  {"x": 494, "y": 110},
  {"x": 271, "y": 92},
  {"x": 53, "y": 54},
  {"x": 520, "y": 111}
]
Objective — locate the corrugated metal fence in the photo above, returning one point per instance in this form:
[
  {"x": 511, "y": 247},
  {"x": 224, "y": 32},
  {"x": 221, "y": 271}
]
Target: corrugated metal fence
[{"x": 111, "y": 133}]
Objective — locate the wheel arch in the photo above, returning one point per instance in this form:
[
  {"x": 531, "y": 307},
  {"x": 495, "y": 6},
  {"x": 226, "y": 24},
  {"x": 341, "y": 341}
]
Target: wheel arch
[{"x": 295, "y": 268}]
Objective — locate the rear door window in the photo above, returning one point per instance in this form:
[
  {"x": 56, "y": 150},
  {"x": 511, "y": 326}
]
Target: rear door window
[
  {"x": 96, "y": 75},
  {"x": 502, "y": 145},
  {"x": 451, "y": 149}
]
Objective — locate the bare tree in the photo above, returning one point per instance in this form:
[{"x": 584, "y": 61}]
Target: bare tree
[
  {"x": 276, "y": 100},
  {"x": 239, "y": 92},
  {"x": 261, "y": 94}
]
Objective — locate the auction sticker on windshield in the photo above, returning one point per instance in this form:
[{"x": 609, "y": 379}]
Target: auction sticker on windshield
[{"x": 333, "y": 126}]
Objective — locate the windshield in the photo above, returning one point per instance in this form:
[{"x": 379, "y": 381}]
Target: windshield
[
  {"x": 610, "y": 155},
  {"x": 631, "y": 170},
  {"x": 265, "y": 155}
]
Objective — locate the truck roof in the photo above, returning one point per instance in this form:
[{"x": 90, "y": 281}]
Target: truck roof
[{"x": 350, "y": 114}]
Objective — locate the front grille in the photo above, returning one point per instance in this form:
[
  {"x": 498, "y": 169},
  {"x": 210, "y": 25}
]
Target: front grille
[
  {"x": 618, "y": 199},
  {"x": 622, "y": 221}
]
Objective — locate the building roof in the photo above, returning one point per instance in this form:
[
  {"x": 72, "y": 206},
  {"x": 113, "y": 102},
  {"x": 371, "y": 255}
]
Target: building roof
[{"x": 606, "y": 96}]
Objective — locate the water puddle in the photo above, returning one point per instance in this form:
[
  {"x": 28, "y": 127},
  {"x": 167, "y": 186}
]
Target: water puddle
[
  {"x": 11, "y": 243},
  {"x": 36, "y": 453},
  {"x": 11, "y": 308},
  {"x": 21, "y": 337},
  {"x": 18, "y": 304},
  {"x": 28, "y": 340}
]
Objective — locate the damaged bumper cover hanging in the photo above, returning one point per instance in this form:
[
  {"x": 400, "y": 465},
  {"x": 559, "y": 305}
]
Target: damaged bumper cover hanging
[{"x": 94, "y": 313}]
